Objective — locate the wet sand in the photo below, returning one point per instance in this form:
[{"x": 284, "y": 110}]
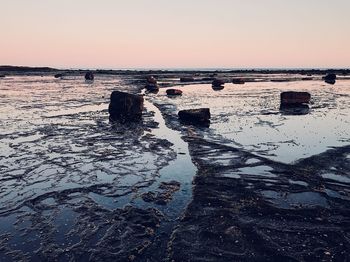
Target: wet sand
[
  {"x": 270, "y": 186},
  {"x": 258, "y": 184}
]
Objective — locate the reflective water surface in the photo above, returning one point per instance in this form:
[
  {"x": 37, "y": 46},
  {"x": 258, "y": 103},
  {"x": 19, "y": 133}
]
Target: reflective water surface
[
  {"x": 67, "y": 173},
  {"x": 76, "y": 187},
  {"x": 249, "y": 116},
  {"x": 272, "y": 184}
]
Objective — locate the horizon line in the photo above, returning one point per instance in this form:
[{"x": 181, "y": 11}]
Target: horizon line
[{"x": 180, "y": 68}]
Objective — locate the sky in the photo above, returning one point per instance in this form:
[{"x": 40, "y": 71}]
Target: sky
[{"x": 175, "y": 33}]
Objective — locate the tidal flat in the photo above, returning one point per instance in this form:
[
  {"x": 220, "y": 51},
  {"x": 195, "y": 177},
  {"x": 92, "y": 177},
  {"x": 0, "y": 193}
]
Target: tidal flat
[{"x": 258, "y": 184}]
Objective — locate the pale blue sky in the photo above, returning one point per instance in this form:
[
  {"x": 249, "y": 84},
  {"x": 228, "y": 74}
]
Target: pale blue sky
[{"x": 179, "y": 33}]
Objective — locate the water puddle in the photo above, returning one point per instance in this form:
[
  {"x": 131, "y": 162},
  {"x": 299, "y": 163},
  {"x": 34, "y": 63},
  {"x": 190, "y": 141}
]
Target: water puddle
[
  {"x": 240, "y": 116},
  {"x": 260, "y": 171},
  {"x": 295, "y": 200},
  {"x": 336, "y": 178},
  {"x": 181, "y": 170}
]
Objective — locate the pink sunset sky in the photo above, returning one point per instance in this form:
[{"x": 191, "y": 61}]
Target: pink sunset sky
[{"x": 175, "y": 34}]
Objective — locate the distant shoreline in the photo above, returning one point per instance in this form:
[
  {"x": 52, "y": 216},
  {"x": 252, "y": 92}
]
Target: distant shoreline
[{"x": 15, "y": 70}]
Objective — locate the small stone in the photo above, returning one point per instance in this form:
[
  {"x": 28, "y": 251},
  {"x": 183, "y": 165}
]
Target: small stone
[
  {"x": 89, "y": 76},
  {"x": 151, "y": 80},
  {"x": 195, "y": 116},
  {"x": 152, "y": 88},
  {"x": 151, "y": 84},
  {"x": 330, "y": 78},
  {"x": 187, "y": 79},
  {"x": 218, "y": 83},
  {"x": 295, "y": 98},
  {"x": 174, "y": 92},
  {"x": 238, "y": 81},
  {"x": 58, "y": 75}
]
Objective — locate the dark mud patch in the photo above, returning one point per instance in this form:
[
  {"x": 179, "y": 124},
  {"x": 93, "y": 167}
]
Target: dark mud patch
[
  {"x": 82, "y": 231},
  {"x": 292, "y": 214},
  {"x": 248, "y": 207}
]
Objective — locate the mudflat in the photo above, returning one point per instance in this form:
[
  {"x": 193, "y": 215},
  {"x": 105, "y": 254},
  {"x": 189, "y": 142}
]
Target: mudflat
[{"x": 258, "y": 183}]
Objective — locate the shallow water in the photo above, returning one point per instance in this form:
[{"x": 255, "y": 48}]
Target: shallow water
[
  {"x": 270, "y": 185},
  {"x": 66, "y": 170},
  {"x": 252, "y": 141},
  {"x": 75, "y": 186},
  {"x": 248, "y": 116}
]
